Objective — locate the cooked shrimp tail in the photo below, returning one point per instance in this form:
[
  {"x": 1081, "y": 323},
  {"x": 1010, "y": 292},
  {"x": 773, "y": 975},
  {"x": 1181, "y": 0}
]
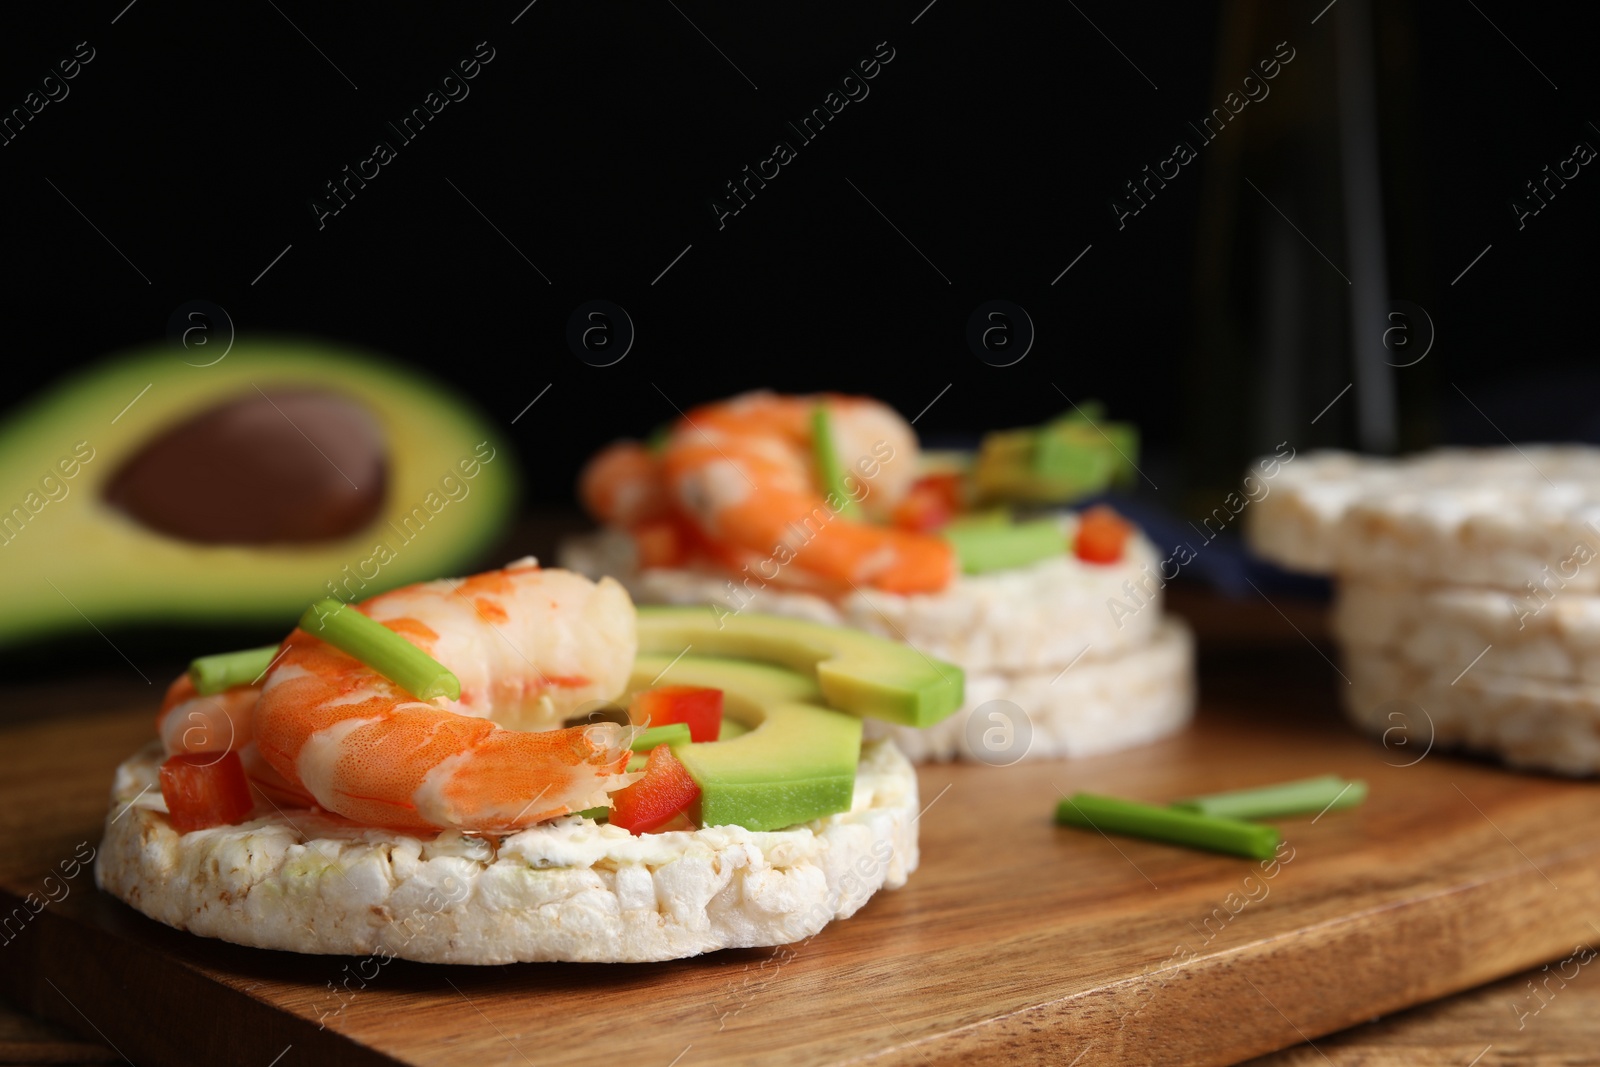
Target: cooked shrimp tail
[{"x": 528, "y": 645}]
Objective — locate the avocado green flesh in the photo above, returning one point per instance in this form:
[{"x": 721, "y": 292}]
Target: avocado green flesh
[
  {"x": 1081, "y": 453},
  {"x": 982, "y": 549},
  {"x": 106, "y": 567},
  {"x": 1076, "y": 455},
  {"x": 859, "y": 673},
  {"x": 675, "y": 733},
  {"x": 796, "y": 762}
]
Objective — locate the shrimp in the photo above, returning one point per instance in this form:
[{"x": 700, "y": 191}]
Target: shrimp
[
  {"x": 221, "y": 722},
  {"x": 529, "y": 646},
  {"x": 743, "y": 470},
  {"x": 622, "y": 485}
]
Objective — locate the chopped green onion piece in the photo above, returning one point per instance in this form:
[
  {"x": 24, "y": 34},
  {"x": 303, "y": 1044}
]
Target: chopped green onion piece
[
  {"x": 673, "y": 733},
  {"x": 213, "y": 674},
  {"x": 829, "y": 469},
  {"x": 1288, "y": 798},
  {"x": 380, "y": 648},
  {"x": 989, "y": 547},
  {"x": 596, "y": 814},
  {"x": 1113, "y": 816}
]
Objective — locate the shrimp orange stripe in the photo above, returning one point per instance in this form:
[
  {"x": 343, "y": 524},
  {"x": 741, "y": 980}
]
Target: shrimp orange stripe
[
  {"x": 409, "y": 627},
  {"x": 567, "y": 681},
  {"x": 274, "y": 754},
  {"x": 489, "y": 611},
  {"x": 498, "y": 583}
]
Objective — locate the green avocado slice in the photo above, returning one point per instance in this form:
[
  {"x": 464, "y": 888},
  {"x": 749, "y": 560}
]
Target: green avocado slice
[
  {"x": 1075, "y": 455},
  {"x": 983, "y": 548},
  {"x": 675, "y": 733},
  {"x": 95, "y": 475},
  {"x": 859, "y": 673},
  {"x": 797, "y": 760}
]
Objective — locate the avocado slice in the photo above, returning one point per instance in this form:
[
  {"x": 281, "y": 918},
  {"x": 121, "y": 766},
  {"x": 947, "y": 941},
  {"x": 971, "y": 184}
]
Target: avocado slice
[
  {"x": 797, "y": 760},
  {"x": 859, "y": 673},
  {"x": 1076, "y": 451},
  {"x": 127, "y": 492},
  {"x": 986, "y": 547},
  {"x": 673, "y": 733},
  {"x": 1077, "y": 454}
]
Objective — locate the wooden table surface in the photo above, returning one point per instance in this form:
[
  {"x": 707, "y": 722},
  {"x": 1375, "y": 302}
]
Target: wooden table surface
[
  {"x": 1502, "y": 1023},
  {"x": 1492, "y": 1026}
]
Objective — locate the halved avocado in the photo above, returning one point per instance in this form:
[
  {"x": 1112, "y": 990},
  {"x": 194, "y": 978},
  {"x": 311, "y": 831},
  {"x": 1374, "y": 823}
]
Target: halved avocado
[
  {"x": 857, "y": 672},
  {"x": 150, "y": 489},
  {"x": 797, "y": 760}
]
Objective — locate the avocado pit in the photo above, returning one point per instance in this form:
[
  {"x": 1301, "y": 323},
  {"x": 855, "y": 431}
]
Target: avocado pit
[{"x": 285, "y": 466}]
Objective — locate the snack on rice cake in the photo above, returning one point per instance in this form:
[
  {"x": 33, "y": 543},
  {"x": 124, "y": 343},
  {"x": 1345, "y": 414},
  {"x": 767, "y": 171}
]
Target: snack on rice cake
[
  {"x": 446, "y": 773},
  {"x": 570, "y": 889},
  {"x": 818, "y": 507},
  {"x": 1470, "y": 516}
]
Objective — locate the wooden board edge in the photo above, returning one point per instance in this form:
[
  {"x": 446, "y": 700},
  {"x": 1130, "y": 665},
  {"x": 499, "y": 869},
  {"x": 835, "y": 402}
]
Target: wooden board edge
[
  {"x": 1274, "y": 1003},
  {"x": 133, "y": 999}
]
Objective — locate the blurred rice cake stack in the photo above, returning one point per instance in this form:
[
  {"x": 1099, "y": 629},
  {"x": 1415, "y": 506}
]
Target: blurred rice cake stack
[{"x": 1468, "y": 583}]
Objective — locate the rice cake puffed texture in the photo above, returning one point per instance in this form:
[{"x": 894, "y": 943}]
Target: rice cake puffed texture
[
  {"x": 1445, "y": 628},
  {"x": 571, "y": 889},
  {"x": 1091, "y": 707},
  {"x": 1469, "y": 516},
  {"x": 1530, "y": 723}
]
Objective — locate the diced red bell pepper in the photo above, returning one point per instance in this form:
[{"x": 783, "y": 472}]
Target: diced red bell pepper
[
  {"x": 932, "y": 501},
  {"x": 1102, "y": 535},
  {"x": 664, "y": 793},
  {"x": 203, "y": 790},
  {"x": 697, "y": 707}
]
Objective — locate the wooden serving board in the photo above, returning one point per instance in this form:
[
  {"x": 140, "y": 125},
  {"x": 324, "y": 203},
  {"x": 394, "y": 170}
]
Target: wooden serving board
[{"x": 1016, "y": 941}]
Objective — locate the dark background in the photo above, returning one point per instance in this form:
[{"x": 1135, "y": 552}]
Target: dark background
[{"x": 993, "y": 141}]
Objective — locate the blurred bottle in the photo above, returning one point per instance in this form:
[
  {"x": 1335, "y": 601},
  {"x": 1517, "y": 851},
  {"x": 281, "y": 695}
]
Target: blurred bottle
[{"x": 1310, "y": 287}]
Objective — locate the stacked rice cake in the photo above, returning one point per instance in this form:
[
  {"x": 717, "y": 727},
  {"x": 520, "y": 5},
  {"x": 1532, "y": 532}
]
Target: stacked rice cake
[
  {"x": 1051, "y": 669},
  {"x": 1469, "y": 586}
]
